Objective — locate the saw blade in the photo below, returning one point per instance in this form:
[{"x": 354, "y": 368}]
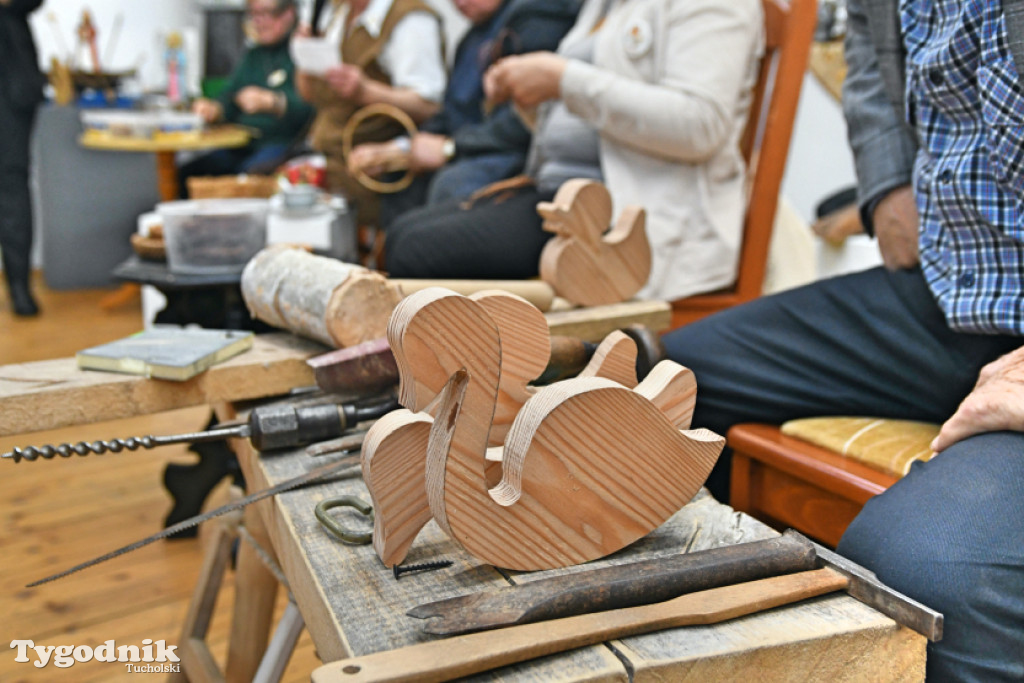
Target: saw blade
[{"x": 302, "y": 480}]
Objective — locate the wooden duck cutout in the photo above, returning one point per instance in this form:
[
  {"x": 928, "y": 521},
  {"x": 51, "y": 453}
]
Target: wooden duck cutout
[
  {"x": 588, "y": 467},
  {"x": 586, "y": 263},
  {"x": 395, "y": 449}
]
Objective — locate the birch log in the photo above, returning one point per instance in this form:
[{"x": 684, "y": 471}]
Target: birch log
[{"x": 338, "y": 304}]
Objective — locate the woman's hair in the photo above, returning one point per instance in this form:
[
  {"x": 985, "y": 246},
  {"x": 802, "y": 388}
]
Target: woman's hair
[{"x": 280, "y": 6}]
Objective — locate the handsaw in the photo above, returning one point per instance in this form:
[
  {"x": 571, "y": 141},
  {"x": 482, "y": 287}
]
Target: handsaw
[{"x": 313, "y": 476}]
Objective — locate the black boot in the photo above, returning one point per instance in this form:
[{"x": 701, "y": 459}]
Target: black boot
[{"x": 21, "y": 299}]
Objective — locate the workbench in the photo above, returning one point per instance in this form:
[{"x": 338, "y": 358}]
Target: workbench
[{"x": 352, "y": 605}]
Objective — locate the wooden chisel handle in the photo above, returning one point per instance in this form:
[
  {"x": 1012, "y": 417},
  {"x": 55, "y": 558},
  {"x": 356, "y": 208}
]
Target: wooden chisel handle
[{"x": 443, "y": 660}]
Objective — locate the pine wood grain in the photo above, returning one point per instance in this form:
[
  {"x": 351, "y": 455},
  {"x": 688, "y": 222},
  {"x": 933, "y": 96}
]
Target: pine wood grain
[
  {"x": 588, "y": 466},
  {"x": 587, "y": 263},
  {"x": 395, "y": 453}
]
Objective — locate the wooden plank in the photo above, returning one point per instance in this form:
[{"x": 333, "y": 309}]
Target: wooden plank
[
  {"x": 51, "y": 394},
  {"x": 594, "y": 323},
  {"x": 831, "y": 638}
]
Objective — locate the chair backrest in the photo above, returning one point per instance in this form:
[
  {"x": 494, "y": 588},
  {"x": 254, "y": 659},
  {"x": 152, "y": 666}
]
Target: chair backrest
[{"x": 789, "y": 28}]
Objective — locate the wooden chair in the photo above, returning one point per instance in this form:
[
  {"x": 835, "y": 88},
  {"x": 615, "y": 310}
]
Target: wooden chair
[
  {"x": 788, "y": 481},
  {"x": 789, "y": 28}
]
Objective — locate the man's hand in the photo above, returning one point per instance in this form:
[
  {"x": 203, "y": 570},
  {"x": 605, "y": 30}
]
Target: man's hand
[
  {"x": 209, "y": 110},
  {"x": 376, "y": 158},
  {"x": 427, "y": 152},
  {"x": 895, "y": 222},
  {"x": 995, "y": 404},
  {"x": 347, "y": 81},
  {"x": 526, "y": 79},
  {"x": 254, "y": 100}
]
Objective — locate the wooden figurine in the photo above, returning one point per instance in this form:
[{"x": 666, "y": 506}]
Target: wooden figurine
[
  {"x": 586, "y": 262},
  {"x": 394, "y": 453},
  {"x": 588, "y": 465}
]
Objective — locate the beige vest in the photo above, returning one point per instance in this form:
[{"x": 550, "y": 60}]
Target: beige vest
[{"x": 361, "y": 49}]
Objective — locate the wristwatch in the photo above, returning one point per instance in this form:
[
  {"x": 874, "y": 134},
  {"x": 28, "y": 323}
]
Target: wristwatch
[{"x": 448, "y": 149}]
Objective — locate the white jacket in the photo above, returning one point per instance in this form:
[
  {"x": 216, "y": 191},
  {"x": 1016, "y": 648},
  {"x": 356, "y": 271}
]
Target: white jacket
[{"x": 669, "y": 91}]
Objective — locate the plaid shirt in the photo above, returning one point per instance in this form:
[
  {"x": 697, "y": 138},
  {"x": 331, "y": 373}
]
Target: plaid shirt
[{"x": 966, "y": 100}]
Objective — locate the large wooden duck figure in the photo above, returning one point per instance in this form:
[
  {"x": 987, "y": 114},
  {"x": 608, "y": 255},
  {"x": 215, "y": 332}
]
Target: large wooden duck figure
[{"x": 588, "y": 465}]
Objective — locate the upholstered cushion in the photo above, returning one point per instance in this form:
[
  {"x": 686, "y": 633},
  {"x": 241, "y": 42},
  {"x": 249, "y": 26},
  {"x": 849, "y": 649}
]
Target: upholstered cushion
[{"x": 888, "y": 445}]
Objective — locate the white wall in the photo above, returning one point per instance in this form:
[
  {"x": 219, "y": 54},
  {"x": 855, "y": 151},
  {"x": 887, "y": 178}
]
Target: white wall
[
  {"x": 144, "y": 24},
  {"x": 138, "y": 44},
  {"x": 820, "y": 163}
]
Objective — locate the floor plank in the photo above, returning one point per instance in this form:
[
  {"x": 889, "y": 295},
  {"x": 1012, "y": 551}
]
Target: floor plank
[{"x": 59, "y": 513}]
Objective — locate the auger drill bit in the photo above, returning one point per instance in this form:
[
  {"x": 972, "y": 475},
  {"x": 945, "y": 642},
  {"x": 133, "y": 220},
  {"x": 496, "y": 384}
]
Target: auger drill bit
[{"x": 268, "y": 428}]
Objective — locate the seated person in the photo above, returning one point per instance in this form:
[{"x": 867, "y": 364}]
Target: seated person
[
  {"x": 465, "y": 146},
  {"x": 391, "y": 52},
  {"x": 260, "y": 94},
  {"x": 653, "y": 102},
  {"x": 934, "y": 335}
]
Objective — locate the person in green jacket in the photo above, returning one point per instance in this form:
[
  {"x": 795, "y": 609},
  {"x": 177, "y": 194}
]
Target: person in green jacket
[{"x": 260, "y": 94}]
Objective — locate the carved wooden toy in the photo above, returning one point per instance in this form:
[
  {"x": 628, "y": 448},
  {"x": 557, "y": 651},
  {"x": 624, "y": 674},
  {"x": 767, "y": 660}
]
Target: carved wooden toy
[
  {"x": 588, "y": 465},
  {"x": 395, "y": 449},
  {"x": 586, "y": 262}
]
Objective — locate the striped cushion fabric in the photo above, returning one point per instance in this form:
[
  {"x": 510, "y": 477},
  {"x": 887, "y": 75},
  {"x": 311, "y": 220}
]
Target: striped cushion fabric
[{"x": 887, "y": 445}]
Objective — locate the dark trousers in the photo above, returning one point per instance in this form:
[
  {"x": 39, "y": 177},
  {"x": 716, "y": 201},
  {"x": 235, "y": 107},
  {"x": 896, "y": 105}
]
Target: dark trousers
[
  {"x": 875, "y": 344},
  {"x": 497, "y": 237},
  {"x": 15, "y": 200}
]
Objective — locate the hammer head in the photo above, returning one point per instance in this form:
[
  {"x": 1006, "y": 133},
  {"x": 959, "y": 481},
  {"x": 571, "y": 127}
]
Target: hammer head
[
  {"x": 366, "y": 368},
  {"x": 866, "y": 587}
]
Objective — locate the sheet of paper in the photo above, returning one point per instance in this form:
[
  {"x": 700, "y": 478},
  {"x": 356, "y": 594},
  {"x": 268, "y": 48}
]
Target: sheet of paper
[{"x": 314, "y": 55}]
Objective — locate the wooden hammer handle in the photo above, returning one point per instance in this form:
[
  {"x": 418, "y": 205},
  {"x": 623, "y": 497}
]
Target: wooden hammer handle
[{"x": 442, "y": 660}]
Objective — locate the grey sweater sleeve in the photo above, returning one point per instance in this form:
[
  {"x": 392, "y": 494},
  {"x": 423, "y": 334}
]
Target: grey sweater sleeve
[{"x": 883, "y": 144}]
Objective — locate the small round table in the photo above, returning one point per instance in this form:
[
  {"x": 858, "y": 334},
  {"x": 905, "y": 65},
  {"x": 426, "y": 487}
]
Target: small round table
[{"x": 166, "y": 146}]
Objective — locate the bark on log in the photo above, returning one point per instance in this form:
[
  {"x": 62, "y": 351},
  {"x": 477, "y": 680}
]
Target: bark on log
[{"x": 338, "y": 304}]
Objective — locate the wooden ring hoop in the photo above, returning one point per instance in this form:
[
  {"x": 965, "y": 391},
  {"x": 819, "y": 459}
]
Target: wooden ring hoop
[{"x": 348, "y": 133}]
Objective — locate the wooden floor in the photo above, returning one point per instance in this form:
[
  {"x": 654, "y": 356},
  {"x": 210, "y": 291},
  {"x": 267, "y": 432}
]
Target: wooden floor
[{"x": 56, "y": 514}]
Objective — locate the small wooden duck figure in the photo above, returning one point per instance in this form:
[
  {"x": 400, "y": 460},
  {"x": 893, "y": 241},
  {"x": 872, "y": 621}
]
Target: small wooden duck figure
[{"x": 586, "y": 262}]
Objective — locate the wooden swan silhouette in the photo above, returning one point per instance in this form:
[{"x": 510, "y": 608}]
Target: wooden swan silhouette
[
  {"x": 586, "y": 262},
  {"x": 395, "y": 450},
  {"x": 588, "y": 465}
]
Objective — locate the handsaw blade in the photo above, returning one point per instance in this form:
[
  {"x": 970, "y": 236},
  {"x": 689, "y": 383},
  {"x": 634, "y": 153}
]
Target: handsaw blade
[{"x": 294, "y": 483}]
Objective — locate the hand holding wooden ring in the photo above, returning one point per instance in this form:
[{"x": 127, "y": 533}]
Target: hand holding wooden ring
[{"x": 347, "y": 135}]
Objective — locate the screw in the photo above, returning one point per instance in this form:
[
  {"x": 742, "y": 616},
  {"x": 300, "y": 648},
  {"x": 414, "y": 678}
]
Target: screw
[{"x": 424, "y": 567}]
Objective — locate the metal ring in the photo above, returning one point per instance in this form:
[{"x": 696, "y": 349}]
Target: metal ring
[
  {"x": 332, "y": 526},
  {"x": 348, "y": 133}
]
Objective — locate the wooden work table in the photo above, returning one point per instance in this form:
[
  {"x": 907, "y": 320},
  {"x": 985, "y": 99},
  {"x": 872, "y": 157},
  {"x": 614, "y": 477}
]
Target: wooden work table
[
  {"x": 55, "y": 393},
  {"x": 352, "y": 605}
]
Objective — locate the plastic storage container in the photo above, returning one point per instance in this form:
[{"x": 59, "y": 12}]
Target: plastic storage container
[{"x": 208, "y": 236}]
